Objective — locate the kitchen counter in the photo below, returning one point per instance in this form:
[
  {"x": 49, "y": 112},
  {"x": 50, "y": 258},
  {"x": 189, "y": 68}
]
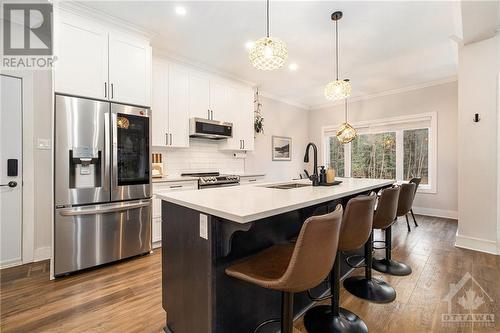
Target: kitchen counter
[
  {"x": 205, "y": 231},
  {"x": 243, "y": 204}
]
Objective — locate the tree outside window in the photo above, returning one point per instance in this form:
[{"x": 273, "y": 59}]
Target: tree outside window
[
  {"x": 416, "y": 154},
  {"x": 374, "y": 156},
  {"x": 336, "y": 155}
]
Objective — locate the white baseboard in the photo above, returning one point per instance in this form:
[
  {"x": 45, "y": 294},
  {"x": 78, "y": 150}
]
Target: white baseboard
[
  {"x": 11, "y": 263},
  {"x": 42, "y": 253},
  {"x": 476, "y": 244},
  {"x": 448, "y": 214},
  {"x": 157, "y": 244}
]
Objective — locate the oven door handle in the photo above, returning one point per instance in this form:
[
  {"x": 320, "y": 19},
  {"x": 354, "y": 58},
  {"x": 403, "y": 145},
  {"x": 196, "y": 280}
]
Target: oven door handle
[{"x": 112, "y": 209}]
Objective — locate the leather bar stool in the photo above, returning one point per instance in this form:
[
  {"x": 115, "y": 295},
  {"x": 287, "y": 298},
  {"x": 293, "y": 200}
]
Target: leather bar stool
[
  {"x": 294, "y": 267},
  {"x": 367, "y": 287},
  {"x": 355, "y": 231},
  {"x": 405, "y": 202},
  {"x": 415, "y": 181},
  {"x": 384, "y": 217}
]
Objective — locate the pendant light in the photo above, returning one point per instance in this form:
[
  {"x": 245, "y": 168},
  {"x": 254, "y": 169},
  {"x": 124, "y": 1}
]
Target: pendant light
[
  {"x": 338, "y": 89},
  {"x": 346, "y": 133},
  {"x": 268, "y": 53}
]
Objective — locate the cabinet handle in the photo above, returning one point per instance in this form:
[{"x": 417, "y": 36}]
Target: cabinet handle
[
  {"x": 166, "y": 139},
  {"x": 212, "y": 115},
  {"x": 243, "y": 144},
  {"x": 170, "y": 138},
  {"x": 175, "y": 186},
  {"x": 208, "y": 114},
  {"x": 112, "y": 92},
  {"x": 252, "y": 180},
  {"x": 105, "y": 90}
]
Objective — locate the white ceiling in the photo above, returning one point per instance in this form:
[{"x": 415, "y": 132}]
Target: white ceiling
[{"x": 384, "y": 45}]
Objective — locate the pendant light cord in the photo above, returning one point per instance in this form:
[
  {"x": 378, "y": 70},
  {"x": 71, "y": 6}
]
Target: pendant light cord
[
  {"x": 337, "y": 48},
  {"x": 267, "y": 14}
]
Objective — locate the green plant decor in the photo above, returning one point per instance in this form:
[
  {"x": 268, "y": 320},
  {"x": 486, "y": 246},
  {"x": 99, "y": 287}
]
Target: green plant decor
[{"x": 258, "y": 124}]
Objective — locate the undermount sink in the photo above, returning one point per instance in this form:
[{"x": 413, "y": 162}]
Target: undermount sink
[{"x": 288, "y": 186}]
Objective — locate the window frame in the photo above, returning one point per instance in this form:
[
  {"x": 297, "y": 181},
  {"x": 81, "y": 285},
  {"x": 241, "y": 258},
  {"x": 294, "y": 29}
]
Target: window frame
[{"x": 400, "y": 124}]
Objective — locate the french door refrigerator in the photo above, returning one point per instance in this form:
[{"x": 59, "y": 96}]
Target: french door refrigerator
[{"x": 102, "y": 183}]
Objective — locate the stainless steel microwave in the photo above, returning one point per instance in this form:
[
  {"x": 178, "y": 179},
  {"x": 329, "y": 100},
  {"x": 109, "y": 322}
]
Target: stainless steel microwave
[{"x": 210, "y": 129}]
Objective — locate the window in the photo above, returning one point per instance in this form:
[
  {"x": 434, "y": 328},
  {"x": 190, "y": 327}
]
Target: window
[
  {"x": 374, "y": 156},
  {"x": 396, "y": 148}
]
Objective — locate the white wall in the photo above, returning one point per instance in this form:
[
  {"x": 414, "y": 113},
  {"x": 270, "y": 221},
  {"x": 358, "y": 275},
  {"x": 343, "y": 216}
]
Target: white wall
[
  {"x": 280, "y": 119},
  {"x": 441, "y": 99},
  {"x": 478, "y": 145}
]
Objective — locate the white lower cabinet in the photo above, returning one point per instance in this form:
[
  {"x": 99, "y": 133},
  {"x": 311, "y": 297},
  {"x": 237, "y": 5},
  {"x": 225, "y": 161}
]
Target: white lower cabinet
[
  {"x": 251, "y": 179},
  {"x": 166, "y": 187}
]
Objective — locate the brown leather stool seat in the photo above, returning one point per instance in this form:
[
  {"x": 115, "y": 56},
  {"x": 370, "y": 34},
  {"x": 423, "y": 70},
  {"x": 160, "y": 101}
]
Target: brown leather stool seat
[
  {"x": 368, "y": 287},
  {"x": 294, "y": 267},
  {"x": 405, "y": 202},
  {"x": 356, "y": 230},
  {"x": 384, "y": 218}
]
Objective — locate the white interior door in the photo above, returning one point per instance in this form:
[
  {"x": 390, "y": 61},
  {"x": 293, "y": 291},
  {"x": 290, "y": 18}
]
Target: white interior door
[{"x": 11, "y": 185}]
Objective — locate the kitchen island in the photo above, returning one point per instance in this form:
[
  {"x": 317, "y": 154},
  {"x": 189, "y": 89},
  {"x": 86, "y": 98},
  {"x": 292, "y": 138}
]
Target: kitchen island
[{"x": 205, "y": 231}]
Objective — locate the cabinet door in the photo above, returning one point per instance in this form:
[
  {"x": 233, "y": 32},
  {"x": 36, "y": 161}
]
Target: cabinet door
[
  {"x": 246, "y": 115},
  {"x": 81, "y": 48},
  {"x": 129, "y": 70},
  {"x": 219, "y": 101},
  {"x": 178, "y": 106},
  {"x": 199, "y": 95},
  {"x": 159, "y": 112}
]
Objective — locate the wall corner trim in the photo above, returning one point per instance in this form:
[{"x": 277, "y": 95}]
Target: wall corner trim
[{"x": 476, "y": 244}]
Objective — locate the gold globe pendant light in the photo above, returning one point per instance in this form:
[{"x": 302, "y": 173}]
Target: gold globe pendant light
[
  {"x": 337, "y": 89},
  {"x": 346, "y": 133},
  {"x": 268, "y": 53}
]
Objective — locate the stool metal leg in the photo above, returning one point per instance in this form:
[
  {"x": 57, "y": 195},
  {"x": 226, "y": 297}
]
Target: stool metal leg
[
  {"x": 387, "y": 265},
  {"x": 287, "y": 312},
  {"x": 332, "y": 318},
  {"x": 368, "y": 287},
  {"x": 408, "y": 223},
  {"x": 414, "y": 219}
]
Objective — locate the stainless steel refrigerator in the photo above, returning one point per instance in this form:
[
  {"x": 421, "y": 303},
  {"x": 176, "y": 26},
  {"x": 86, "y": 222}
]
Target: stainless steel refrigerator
[{"x": 102, "y": 183}]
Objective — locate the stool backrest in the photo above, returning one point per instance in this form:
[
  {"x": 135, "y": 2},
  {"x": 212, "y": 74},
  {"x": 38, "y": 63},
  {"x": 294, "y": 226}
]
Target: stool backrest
[
  {"x": 406, "y": 196},
  {"x": 314, "y": 252},
  {"x": 387, "y": 208},
  {"x": 415, "y": 181},
  {"x": 357, "y": 222}
]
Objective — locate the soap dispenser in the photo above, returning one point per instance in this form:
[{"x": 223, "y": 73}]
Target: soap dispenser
[{"x": 322, "y": 175}]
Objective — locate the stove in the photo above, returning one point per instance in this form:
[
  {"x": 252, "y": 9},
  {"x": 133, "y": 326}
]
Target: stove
[{"x": 214, "y": 179}]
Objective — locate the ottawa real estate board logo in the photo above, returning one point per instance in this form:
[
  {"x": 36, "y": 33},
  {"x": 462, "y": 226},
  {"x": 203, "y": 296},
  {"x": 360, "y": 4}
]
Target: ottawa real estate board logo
[
  {"x": 469, "y": 305},
  {"x": 27, "y": 36}
]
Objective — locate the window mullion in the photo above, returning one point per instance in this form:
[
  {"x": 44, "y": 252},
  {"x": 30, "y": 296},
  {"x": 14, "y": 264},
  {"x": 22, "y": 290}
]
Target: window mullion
[{"x": 399, "y": 155}]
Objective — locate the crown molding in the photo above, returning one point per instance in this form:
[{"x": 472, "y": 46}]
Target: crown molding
[
  {"x": 389, "y": 92},
  {"x": 269, "y": 95},
  {"x": 168, "y": 55},
  {"x": 81, "y": 9}
]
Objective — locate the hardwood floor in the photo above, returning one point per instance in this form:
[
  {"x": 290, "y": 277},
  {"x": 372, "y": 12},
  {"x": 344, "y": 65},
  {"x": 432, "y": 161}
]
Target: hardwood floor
[{"x": 126, "y": 297}]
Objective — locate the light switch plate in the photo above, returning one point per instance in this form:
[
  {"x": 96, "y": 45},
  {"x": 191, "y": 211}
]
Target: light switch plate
[
  {"x": 43, "y": 144},
  {"x": 204, "y": 226}
]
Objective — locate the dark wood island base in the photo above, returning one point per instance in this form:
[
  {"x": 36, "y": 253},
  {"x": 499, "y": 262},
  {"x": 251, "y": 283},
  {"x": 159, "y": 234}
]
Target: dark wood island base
[{"x": 196, "y": 293}]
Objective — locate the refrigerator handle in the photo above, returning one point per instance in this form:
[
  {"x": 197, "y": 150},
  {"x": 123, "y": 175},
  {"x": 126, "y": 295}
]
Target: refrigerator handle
[
  {"x": 107, "y": 153},
  {"x": 111, "y": 209},
  {"x": 114, "y": 149}
]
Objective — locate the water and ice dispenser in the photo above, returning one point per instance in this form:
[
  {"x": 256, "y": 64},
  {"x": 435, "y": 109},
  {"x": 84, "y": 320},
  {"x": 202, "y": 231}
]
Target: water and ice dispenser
[{"x": 85, "y": 167}]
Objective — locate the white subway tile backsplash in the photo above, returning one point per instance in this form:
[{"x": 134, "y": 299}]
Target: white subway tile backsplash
[{"x": 201, "y": 156}]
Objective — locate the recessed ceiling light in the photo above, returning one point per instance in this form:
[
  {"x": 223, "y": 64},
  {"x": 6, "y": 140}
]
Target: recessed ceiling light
[
  {"x": 180, "y": 10},
  {"x": 249, "y": 44},
  {"x": 293, "y": 66}
]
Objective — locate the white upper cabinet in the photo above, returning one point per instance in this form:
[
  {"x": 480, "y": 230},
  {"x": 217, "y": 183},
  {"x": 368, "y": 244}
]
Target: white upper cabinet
[
  {"x": 178, "y": 106},
  {"x": 219, "y": 100},
  {"x": 81, "y": 48},
  {"x": 129, "y": 70},
  {"x": 170, "y": 111},
  {"x": 159, "y": 111},
  {"x": 97, "y": 61},
  {"x": 199, "y": 95}
]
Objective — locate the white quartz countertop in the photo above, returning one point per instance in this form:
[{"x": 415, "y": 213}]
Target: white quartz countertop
[
  {"x": 166, "y": 179},
  {"x": 243, "y": 204}
]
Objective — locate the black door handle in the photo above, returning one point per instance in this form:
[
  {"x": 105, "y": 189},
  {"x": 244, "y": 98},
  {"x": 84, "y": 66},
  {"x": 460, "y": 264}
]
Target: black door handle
[{"x": 10, "y": 184}]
